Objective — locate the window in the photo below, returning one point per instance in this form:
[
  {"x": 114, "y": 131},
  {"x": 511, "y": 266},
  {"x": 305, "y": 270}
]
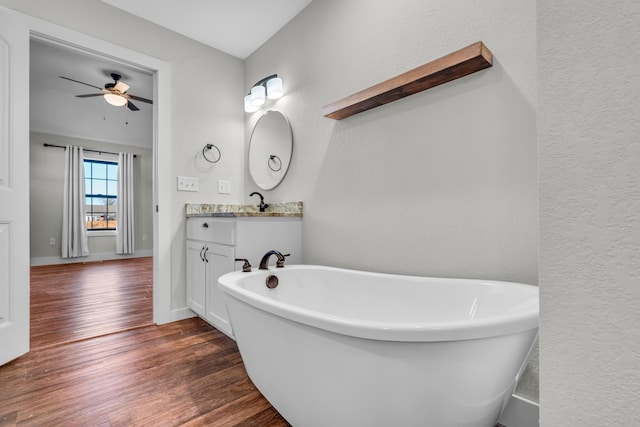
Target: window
[{"x": 101, "y": 190}]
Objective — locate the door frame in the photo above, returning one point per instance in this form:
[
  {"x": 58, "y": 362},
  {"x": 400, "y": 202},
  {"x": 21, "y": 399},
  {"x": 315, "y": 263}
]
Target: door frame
[{"x": 161, "y": 71}]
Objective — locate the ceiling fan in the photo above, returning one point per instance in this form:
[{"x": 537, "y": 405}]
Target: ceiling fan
[{"x": 114, "y": 93}]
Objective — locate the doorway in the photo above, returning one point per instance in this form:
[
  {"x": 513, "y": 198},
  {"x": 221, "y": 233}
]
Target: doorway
[
  {"x": 16, "y": 30},
  {"x": 161, "y": 183},
  {"x": 84, "y": 297}
]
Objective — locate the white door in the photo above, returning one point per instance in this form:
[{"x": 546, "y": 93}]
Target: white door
[{"x": 14, "y": 187}]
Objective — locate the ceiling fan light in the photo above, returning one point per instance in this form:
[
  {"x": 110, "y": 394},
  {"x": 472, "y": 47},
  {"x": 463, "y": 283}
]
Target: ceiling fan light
[
  {"x": 248, "y": 106},
  {"x": 274, "y": 88},
  {"x": 115, "y": 100},
  {"x": 257, "y": 95}
]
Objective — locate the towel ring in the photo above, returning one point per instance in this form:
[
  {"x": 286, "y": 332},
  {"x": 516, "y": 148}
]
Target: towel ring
[
  {"x": 272, "y": 158},
  {"x": 208, "y": 147}
]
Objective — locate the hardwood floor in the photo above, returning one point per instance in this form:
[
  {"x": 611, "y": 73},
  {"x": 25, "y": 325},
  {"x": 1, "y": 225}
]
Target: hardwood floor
[
  {"x": 97, "y": 360},
  {"x": 82, "y": 372},
  {"x": 183, "y": 373},
  {"x": 70, "y": 302}
]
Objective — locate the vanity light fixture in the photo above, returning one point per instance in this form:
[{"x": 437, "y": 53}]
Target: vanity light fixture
[{"x": 269, "y": 87}]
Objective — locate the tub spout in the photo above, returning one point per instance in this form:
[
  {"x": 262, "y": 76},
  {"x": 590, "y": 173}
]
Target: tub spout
[{"x": 264, "y": 263}]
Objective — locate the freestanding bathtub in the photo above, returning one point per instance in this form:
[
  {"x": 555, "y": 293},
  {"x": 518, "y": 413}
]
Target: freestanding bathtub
[{"x": 336, "y": 347}]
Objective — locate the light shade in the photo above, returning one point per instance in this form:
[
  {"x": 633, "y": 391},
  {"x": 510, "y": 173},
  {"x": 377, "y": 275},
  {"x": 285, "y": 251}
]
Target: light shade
[
  {"x": 114, "y": 99},
  {"x": 248, "y": 106},
  {"x": 268, "y": 87},
  {"x": 257, "y": 95},
  {"x": 274, "y": 88}
]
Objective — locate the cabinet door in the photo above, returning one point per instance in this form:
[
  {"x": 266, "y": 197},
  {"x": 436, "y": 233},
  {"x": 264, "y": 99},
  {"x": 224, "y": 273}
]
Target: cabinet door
[
  {"x": 196, "y": 277},
  {"x": 221, "y": 261}
]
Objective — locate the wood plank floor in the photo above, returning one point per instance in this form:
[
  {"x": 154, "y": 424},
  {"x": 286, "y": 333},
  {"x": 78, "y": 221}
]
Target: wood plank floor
[
  {"x": 97, "y": 360},
  {"x": 183, "y": 373},
  {"x": 83, "y": 372},
  {"x": 76, "y": 301}
]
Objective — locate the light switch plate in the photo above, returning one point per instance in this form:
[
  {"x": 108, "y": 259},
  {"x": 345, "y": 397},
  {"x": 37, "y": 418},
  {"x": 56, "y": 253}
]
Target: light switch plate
[
  {"x": 224, "y": 187},
  {"x": 187, "y": 183}
]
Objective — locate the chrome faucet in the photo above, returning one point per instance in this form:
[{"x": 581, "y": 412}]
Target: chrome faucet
[
  {"x": 262, "y": 204},
  {"x": 264, "y": 263}
]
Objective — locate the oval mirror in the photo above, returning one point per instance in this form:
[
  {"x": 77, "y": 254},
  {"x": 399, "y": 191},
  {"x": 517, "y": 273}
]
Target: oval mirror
[{"x": 270, "y": 149}]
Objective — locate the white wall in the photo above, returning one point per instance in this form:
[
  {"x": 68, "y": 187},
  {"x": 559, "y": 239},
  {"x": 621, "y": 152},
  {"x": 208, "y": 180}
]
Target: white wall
[
  {"x": 442, "y": 183},
  {"x": 46, "y": 170},
  {"x": 201, "y": 111},
  {"x": 589, "y": 144}
]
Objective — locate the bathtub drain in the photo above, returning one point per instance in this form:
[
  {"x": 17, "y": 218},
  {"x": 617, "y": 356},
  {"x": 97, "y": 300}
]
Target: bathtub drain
[{"x": 272, "y": 281}]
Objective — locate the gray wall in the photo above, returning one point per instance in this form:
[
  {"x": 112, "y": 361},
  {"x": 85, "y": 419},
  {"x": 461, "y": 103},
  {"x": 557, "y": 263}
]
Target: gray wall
[
  {"x": 589, "y": 143},
  {"x": 442, "y": 183},
  {"x": 201, "y": 111},
  {"x": 46, "y": 172}
]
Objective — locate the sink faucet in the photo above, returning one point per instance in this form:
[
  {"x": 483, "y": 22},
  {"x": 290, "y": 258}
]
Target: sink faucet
[
  {"x": 264, "y": 263},
  {"x": 262, "y": 204}
]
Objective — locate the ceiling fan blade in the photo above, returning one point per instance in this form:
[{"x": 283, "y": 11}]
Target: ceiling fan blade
[
  {"x": 137, "y": 98},
  {"x": 121, "y": 87},
  {"x": 131, "y": 106},
  {"x": 89, "y": 95},
  {"x": 82, "y": 83}
]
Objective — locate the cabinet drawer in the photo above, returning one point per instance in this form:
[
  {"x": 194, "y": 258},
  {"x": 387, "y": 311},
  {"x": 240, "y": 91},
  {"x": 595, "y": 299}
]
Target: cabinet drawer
[{"x": 211, "y": 230}]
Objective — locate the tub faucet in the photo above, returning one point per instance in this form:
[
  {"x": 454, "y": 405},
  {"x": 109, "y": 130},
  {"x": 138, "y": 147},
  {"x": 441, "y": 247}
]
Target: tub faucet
[
  {"x": 262, "y": 204},
  {"x": 246, "y": 267},
  {"x": 264, "y": 263}
]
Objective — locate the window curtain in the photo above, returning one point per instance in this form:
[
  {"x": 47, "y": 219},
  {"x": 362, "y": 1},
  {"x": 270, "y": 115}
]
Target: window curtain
[
  {"x": 74, "y": 226},
  {"x": 125, "y": 239}
]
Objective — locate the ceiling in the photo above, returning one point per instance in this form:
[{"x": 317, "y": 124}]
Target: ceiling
[
  {"x": 237, "y": 27},
  {"x": 55, "y": 109}
]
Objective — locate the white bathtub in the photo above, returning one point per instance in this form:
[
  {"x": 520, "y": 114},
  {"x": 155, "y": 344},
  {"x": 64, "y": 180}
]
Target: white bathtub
[{"x": 335, "y": 347}]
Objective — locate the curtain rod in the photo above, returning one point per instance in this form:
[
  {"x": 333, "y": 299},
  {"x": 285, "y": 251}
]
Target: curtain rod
[{"x": 85, "y": 149}]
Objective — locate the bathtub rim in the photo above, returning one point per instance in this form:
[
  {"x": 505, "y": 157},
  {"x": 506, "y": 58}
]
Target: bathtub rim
[{"x": 383, "y": 331}]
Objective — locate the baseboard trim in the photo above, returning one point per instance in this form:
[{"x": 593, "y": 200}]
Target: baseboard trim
[
  {"x": 106, "y": 256},
  {"x": 520, "y": 412},
  {"x": 181, "y": 314}
]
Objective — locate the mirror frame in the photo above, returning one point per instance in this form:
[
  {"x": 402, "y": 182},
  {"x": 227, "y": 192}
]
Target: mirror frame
[{"x": 288, "y": 160}]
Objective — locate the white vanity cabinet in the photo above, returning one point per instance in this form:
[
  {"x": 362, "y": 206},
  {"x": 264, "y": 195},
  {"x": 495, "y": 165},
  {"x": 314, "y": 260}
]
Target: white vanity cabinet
[{"x": 213, "y": 244}]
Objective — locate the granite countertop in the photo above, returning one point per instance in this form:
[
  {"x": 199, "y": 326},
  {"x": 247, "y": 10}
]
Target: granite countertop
[{"x": 277, "y": 209}]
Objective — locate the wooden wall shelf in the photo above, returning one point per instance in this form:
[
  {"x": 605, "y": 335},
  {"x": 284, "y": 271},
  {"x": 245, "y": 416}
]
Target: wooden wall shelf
[{"x": 457, "y": 64}]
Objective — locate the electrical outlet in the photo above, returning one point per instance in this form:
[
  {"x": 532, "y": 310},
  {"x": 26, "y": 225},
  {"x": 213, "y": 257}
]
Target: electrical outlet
[
  {"x": 224, "y": 187},
  {"x": 187, "y": 183},
  {"x": 52, "y": 241},
  {"x": 144, "y": 237}
]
